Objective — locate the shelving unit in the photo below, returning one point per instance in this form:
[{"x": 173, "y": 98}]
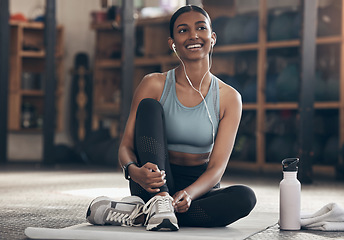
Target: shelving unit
[
  {"x": 254, "y": 149},
  {"x": 152, "y": 56},
  {"x": 267, "y": 116},
  {"x": 26, "y": 85},
  {"x": 106, "y": 76}
]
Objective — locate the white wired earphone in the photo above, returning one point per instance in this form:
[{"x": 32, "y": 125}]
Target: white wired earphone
[{"x": 200, "y": 85}]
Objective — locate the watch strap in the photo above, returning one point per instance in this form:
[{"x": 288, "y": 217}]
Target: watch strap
[{"x": 125, "y": 169}]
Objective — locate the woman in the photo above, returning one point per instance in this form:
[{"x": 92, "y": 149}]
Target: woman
[{"x": 178, "y": 140}]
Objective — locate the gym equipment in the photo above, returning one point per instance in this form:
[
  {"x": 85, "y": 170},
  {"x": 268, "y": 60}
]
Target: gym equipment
[
  {"x": 249, "y": 92},
  {"x": 250, "y": 30},
  {"x": 96, "y": 147},
  {"x": 270, "y": 89},
  {"x": 63, "y": 154},
  {"x": 296, "y": 32},
  {"x": 248, "y": 123},
  {"x": 331, "y": 151},
  {"x": 318, "y": 149},
  {"x": 280, "y": 147},
  {"x": 329, "y": 21},
  {"x": 231, "y": 80},
  {"x": 287, "y": 84},
  {"x": 281, "y": 26},
  {"x": 281, "y": 122},
  {"x": 100, "y": 148},
  {"x": 218, "y": 27},
  {"x": 245, "y": 148},
  {"x": 81, "y": 99},
  {"x": 332, "y": 89},
  {"x": 320, "y": 88},
  {"x": 331, "y": 122},
  {"x": 326, "y": 122},
  {"x": 234, "y": 30},
  {"x": 242, "y": 28}
]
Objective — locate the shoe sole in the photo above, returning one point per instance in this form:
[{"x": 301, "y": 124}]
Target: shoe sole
[{"x": 165, "y": 225}]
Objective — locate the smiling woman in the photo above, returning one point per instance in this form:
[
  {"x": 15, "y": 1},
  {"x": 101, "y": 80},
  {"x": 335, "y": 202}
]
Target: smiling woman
[
  {"x": 195, "y": 36},
  {"x": 178, "y": 140}
]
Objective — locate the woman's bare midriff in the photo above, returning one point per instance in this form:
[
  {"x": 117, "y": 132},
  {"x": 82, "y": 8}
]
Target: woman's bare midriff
[{"x": 188, "y": 159}]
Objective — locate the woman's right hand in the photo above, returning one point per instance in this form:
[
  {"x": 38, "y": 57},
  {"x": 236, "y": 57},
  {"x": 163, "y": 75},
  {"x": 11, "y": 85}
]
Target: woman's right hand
[{"x": 149, "y": 177}]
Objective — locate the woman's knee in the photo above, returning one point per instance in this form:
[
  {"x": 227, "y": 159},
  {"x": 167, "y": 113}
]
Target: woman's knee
[
  {"x": 149, "y": 105},
  {"x": 242, "y": 197},
  {"x": 247, "y": 198}
]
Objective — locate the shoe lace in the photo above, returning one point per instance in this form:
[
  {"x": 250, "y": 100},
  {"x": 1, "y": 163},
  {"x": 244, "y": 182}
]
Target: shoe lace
[
  {"x": 125, "y": 219},
  {"x": 163, "y": 203}
]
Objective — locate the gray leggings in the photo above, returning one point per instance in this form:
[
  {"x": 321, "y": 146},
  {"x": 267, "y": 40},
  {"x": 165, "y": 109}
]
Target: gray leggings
[{"x": 219, "y": 207}]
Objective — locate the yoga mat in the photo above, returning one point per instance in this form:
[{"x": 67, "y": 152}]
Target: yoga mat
[{"x": 255, "y": 222}]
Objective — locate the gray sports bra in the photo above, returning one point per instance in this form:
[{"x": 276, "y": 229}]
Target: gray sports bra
[{"x": 189, "y": 129}]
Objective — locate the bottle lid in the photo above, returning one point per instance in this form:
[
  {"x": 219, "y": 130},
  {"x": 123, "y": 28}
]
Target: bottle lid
[{"x": 290, "y": 164}]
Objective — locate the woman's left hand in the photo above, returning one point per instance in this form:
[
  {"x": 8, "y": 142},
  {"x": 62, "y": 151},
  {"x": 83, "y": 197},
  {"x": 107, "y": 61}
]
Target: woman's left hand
[{"x": 181, "y": 201}]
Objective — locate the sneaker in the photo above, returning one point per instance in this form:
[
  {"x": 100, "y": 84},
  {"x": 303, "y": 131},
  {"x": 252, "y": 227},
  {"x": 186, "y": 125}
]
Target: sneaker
[
  {"x": 160, "y": 214},
  {"x": 103, "y": 211}
]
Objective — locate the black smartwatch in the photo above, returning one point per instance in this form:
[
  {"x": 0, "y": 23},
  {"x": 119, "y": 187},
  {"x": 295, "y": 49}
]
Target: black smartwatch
[{"x": 125, "y": 169}]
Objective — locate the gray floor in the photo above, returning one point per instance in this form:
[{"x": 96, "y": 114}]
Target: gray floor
[{"x": 57, "y": 197}]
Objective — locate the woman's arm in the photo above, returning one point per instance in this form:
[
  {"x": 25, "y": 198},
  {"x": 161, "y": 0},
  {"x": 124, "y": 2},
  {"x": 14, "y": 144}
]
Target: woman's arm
[
  {"x": 230, "y": 115},
  {"x": 148, "y": 176}
]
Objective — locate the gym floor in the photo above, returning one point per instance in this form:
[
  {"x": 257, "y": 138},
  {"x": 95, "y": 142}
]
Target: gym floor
[{"x": 33, "y": 195}]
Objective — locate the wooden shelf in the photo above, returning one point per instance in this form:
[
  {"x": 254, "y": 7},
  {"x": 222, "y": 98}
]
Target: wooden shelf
[
  {"x": 38, "y": 93},
  {"x": 32, "y": 54},
  {"x": 106, "y": 25},
  {"x": 276, "y": 168},
  {"x": 290, "y": 105},
  {"x": 114, "y": 25},
  {"x": 30, "y": 35},
  {"x": 280, "y": 106},
  {"x": 108, "y": 63},
  {"x": 283, "y": 44},
  {"x": 273, "y": 44},
  {"x": 235, "y": 48},
  {"x": 31, "y": 25},
  {"x": 249, "y": 106},
  {"x": 157, "y": 60},
  {"x": 152, "y": 21},
  {"x": 327, "y": 105},
  {"x": 329, "y": 40},
  {"x": 107, "y": 109},
  {"x": 139, "y": 62},
  {"x": 38, "y": 54},
  {"x": 28, "y": 131}
]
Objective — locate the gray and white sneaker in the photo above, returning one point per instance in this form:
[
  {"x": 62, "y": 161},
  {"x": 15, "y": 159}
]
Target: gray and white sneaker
[
  {"x": 160, "y": 214},
  {"x": 104, "y": 211}
]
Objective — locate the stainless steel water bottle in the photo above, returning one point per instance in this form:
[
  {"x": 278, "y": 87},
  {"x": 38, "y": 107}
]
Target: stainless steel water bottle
[{"x": 290, "y": 196}]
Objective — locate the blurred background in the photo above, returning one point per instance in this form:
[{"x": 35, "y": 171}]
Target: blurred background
[{"x": 258, "y": 52}]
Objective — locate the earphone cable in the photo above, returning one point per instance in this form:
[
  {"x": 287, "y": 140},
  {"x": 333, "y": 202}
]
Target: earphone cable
[{"x": 199, "y": 91}]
